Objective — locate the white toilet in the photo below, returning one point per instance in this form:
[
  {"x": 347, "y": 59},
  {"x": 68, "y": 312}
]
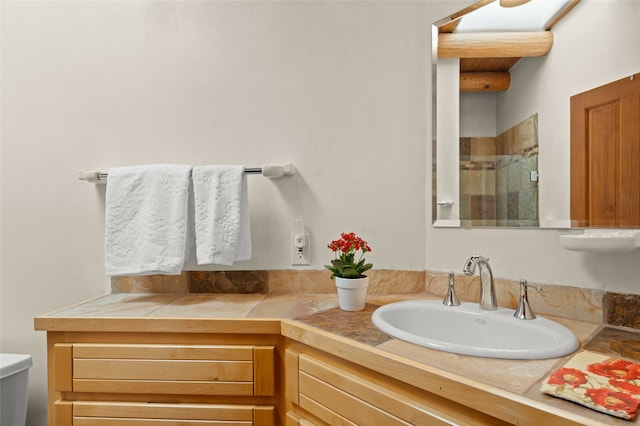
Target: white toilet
[{"x": 14, "y": 383}]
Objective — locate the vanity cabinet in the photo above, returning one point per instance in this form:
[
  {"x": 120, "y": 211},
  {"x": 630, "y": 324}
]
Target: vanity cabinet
[
  {"x": 172, "y": 371},
  {"x": 323, "y": 390},
  {"x": 84, "y": 413},
  {"x": 165, "y": 379}
]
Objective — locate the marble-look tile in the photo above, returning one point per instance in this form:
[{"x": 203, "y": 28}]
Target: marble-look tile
[
  {"x": 385, "y": 281},
  {"x": 528, "y": 204},
  {"x": 583, "y": 330},
  {"x": 465, "y": 207},
  {"x": 483, "y": 147},
  {"x": 299, "y": 282},
  {"x": 381, "y": 281},
  {"x": 239, "y": 282},
  {"x": 623, "y": 309},
  {"x": 526, "y": 165},
  {"x": 616, "y": 343},
  {"x": 211, "y": 305},
  {"x": 293, "y": 305},
  {"x": 465, "y": 147},
  {"x": 559, "y": 301},
  {"x": 526, "y": 134},
  {"x": 392, "y": 298},
  {"x": 482, "y": 207},
  {"x": 122, "y": 304},
  {"x": 354, "y": 325},
  {"x": 151, "y": 284},
  {"x": 467, "y": 287},
  {"x": 580, "y": 304},
  {"x": 482, "y": 182}
]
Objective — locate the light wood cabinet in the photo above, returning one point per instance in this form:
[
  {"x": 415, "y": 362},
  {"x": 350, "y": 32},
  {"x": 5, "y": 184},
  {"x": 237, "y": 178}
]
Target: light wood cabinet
[
  {"x": 103, "y": 380},
  {"x": 85, "y": 413},
  {"x": 165, "y": 369},
  {"x": 175, "y": 371},
  {"x": 323, "y": 390}
]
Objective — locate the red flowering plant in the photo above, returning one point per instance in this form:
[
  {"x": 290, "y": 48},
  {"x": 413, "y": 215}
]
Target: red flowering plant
[{"x": 345, "y": 249}]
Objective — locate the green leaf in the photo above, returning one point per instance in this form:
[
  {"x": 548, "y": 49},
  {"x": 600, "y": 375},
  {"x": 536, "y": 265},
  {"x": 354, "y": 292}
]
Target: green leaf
[{"x": 366, "y": 267}]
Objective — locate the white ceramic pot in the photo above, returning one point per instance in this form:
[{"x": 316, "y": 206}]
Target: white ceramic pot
[{"x": 352, "y": 293}]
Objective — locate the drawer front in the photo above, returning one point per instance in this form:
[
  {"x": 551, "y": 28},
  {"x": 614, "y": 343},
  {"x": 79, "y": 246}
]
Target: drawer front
[
  {"x": 338, "y": 396},
  {"x": 297, "y": 419},
  {"x": 166, "y": 369},
  {"x": 92, "y": 413}
]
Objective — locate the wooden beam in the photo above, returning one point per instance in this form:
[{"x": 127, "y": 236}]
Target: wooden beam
[
  {"x": 462, "y": 12},
  {"x": 450, "y": 26},
  {"x": 560, "y": 15},
  {"x": 494, "y": 45},
  {"x": 484, "y": 81}
]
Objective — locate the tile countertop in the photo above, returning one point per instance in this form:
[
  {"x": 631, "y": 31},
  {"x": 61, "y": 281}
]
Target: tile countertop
[{"x": 261, "y": 313}]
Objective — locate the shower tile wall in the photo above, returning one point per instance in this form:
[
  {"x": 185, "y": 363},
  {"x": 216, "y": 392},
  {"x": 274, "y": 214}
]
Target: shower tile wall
[
  {"x": 517, "y": 157},
  {"x": 478, "y": 181},
  {"x": 495, "y": 184}
]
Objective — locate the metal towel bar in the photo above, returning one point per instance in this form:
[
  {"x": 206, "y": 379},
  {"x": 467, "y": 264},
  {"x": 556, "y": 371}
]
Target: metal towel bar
[{"x": 268, "y": 170}]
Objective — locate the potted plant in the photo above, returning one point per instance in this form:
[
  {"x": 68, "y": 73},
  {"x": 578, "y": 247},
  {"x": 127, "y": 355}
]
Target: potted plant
[{"x": 348, "y": 271}]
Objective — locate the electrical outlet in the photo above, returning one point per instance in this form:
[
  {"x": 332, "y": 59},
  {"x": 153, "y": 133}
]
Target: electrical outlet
[{"x": 300, "y": 249}]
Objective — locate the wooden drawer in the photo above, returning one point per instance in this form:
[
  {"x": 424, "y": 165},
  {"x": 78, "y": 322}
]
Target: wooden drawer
[
  {"x": 234, "y": 370},
  {"x": 297, "y": 419},
  {"x": 90, "y": 413},
  {"x": 340, "y": 394}
]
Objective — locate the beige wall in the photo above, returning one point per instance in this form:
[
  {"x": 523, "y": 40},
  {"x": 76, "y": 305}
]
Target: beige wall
[{"x": 337, "y": 88}]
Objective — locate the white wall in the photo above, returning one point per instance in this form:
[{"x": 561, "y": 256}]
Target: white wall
[
  {"x": 478, "y": 114},
  {"x": 448, "y": 137},
  {"x": 337, "y": 88}
]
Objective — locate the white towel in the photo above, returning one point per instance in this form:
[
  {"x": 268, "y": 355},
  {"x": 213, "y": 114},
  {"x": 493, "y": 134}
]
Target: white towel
[
  {"x": 146, "y": 219},
  {"x": 222, "y": 226}
]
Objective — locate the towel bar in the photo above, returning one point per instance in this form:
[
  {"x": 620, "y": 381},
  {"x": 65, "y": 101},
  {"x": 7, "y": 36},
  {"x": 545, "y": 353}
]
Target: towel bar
[{"x": 268, "y": 170}]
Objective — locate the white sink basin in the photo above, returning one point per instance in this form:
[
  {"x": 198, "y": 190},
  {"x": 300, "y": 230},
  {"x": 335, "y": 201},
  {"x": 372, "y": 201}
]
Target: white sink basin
[{"x": 468, "y": 330}]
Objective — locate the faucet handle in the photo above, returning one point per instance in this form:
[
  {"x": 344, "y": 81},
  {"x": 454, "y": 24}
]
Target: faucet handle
[
  {"x": 451, "y": 299},
  {"x": 524, "y": 309}
]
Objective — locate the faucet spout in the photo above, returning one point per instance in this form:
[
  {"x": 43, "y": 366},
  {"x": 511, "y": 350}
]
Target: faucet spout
[{"x": 488, "y": 289}]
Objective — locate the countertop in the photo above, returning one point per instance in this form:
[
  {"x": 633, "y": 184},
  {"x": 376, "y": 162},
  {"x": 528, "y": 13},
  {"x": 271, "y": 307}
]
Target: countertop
[{"x": 315, "y": 319}]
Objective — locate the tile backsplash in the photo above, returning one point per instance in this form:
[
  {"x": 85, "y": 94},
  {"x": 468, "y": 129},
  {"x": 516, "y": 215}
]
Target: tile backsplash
[
  {"x": 264, "y": 282},
  {"x": 622, "y": 309},
  {"x": 589, "y": 305}
]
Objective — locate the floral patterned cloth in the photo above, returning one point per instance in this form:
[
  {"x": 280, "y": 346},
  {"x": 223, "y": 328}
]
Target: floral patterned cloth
[{"x": 609, "y": 385}]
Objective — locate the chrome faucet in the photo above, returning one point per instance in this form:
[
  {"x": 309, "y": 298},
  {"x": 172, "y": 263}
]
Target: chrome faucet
[
  {"x": 488, "y": 289},
  {"x": 524, "y": 311},
  {"x": 451, "y": 299}
]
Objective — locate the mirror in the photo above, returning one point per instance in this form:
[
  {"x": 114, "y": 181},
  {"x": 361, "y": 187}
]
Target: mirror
[{"x": 472, "y": 110}]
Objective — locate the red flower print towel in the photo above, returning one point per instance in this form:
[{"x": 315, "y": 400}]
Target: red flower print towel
[{"x": 599, "y": 382}]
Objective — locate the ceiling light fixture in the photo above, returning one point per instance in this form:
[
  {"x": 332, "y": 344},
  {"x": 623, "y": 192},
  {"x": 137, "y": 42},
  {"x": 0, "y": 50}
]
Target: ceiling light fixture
[{"x": 513, "y": 3}]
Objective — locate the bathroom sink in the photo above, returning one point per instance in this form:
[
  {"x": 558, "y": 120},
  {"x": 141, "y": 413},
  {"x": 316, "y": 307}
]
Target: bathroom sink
[{"x": 469, "y": 330}]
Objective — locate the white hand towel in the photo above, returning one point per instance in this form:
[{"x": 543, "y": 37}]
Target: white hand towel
[
  {"x": 222, "y": 226},
  {"x": 146, "y": 219}
]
